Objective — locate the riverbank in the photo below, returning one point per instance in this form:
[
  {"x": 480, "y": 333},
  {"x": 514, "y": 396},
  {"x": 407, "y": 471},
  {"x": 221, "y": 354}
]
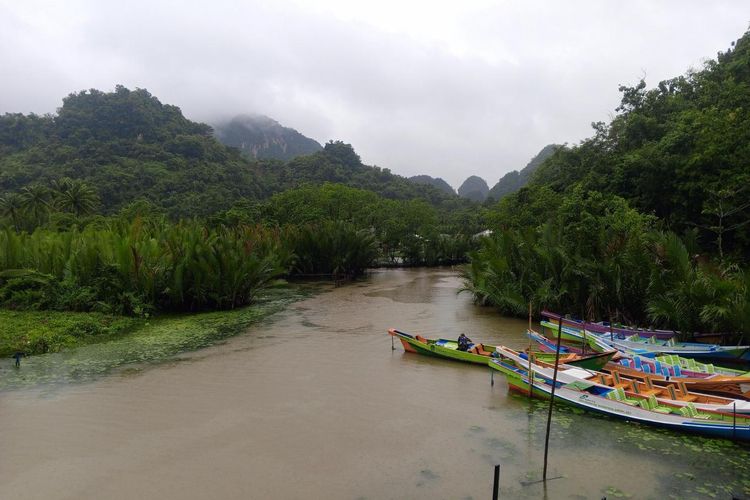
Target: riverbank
[
  {"x": 40, "y": 332},
  {"x": 84, "y": 346}
]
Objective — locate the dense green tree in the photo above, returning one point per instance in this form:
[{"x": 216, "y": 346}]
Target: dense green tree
[
  {"x": 74, "y": 196},
  {"x": 679, "y": 151},
  {"x": 36, "y": 200},
  {"x": 11, "y": 206}
]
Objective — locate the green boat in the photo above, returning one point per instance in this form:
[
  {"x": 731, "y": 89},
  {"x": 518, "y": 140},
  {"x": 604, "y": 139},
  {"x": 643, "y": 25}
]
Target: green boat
[
  {"x": 443, "y": 348},
  {"x": 480, "y": 353},
  {"x": 596, "y": 361}
]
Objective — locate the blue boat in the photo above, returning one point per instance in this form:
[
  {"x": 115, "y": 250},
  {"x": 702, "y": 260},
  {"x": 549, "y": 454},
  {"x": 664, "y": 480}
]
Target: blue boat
[
  {"x": 613, "y": 401},
  {"x": 652, "y": 346}
]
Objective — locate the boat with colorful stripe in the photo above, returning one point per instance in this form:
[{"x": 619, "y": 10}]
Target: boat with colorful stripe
[
  {"x": 605, "y": 328},
  {"x": 479, "y": 353},
  {"x": 442, "y": 348},
  {"x": 591, "y": 360},
  {"x": 642, "y": 346},
  {"x": 672, "y": 362},
  {"x": 675, "y": 392},
  {"x": 669, "y": 370},
  {"x": 573, "y": 389},
  {"x": 666, "y": 370}
]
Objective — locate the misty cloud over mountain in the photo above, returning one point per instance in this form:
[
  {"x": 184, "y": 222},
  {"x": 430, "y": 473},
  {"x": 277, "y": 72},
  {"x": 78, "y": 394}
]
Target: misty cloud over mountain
[{"x": 448, "y": 91}]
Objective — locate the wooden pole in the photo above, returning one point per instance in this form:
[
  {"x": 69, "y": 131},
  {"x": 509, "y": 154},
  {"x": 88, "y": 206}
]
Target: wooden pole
[
  {"x": 496, "y": 483},
  {"x": 529, "y": 315},
  {"x": 531, "y": 374},
  {"x": 552, "y": 397},
  {"x": 584, "y": 337}
]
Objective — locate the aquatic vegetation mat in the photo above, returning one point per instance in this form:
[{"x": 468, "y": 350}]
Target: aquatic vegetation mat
[
  {"x": 155, "y": 341},
  {"x": 694, "y": 466}
]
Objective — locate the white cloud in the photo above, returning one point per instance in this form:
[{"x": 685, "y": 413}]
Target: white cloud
[{"x": 444, "y": 88}]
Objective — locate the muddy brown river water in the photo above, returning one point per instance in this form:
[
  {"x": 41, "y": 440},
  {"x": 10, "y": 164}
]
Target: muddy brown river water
[{"x": 313, "y": 403}]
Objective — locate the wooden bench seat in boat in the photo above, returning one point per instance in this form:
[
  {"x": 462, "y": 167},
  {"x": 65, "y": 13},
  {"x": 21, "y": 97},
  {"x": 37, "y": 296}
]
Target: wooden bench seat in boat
[
  {"x": 650, "y": 403},
  {"x": 479, "y": 349},
  {"x": 641, "y": 388},
  {"x": 618, "y": 382},
  {"x": 681, "y": 396},
  {"x": 692, "y": 412},
  {"x": 651, "y": 387},
  {"x": 618, "y": 394}
]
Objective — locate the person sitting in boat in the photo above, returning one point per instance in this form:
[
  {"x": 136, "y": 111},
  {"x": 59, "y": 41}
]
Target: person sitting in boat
[{"x": 464, "y": 343}]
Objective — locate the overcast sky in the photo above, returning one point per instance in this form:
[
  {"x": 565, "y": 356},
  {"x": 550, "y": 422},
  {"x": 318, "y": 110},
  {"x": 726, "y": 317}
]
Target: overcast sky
[{"x": 448, "y": 89}]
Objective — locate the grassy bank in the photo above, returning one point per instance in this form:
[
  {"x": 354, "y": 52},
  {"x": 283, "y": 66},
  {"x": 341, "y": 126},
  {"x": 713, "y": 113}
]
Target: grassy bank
[
  {"x": 127, "y": 342},
  {"x": 40, "y": 332}
]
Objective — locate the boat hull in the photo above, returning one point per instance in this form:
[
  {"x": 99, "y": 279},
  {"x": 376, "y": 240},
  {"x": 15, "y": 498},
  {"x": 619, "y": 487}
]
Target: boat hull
[
  {"x": 591, "y": 362},
  {"x": 699, "y": 352},
  {"x": 412, "y": 344},
  {"x": 615, "y": 330},
  {"x": 518, "y": 381}
]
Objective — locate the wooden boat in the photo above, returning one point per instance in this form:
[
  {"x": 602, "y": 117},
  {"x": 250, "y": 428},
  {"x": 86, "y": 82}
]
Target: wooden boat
[
  {"x": 674, "y": 393},
  {"x": 664, "y": 373},
  {"x": 479, "y": 353},
  {"x": 673, "y": 363},
  {"x": 676, "y": 366},
  {"x": 640, "y": 345},
  {"x": 574, "y": 390},
  {"x": 604, "y": 328},
  {"x": 443, "y": 348},
  {"x": 670, "y": 370},
  {"x": 573, "y": 337},
  {"x": 592, "y": 360}
]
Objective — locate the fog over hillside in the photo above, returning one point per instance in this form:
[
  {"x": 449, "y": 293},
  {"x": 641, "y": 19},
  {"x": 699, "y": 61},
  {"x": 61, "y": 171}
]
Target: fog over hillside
[{"x": 447, "y": 90}]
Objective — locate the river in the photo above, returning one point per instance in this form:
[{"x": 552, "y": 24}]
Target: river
[{"x": 314, "y": 403}]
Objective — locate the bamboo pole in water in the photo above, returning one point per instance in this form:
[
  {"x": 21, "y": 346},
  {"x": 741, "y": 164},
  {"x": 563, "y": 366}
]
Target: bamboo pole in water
[
  {"x": 531, "y": 374},
  {"x": 552, "y": 396},
  {"x": 584, "y": 337},
  {"x": 496, "y": 483}
]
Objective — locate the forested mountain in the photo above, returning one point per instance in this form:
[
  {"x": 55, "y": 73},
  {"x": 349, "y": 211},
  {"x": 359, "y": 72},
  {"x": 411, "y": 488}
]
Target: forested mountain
[
  {"x": 433, "y": 181},
  {"x": 680, "y": 151},
  {"x": 339, "y": 163},
  {"x": 259, "y": 136},
  {"x": 474, "y": 188},
  {"x": 126, "y": 145},
  {"x": 515, "y": 180}
]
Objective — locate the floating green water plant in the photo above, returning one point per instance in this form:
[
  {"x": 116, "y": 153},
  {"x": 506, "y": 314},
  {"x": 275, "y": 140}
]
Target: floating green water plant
[{"x": 151, "y": 341}]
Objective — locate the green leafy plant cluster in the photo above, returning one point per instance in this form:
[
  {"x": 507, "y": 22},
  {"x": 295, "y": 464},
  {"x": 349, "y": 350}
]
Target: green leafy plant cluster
[
  {"x": 410, "y": 232},
  {"x": 334, "y": 247},
  {"x": 600, "y": 259},
  {"x": 138, "y": 267}
]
